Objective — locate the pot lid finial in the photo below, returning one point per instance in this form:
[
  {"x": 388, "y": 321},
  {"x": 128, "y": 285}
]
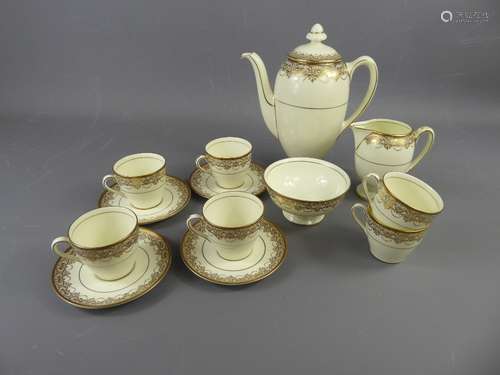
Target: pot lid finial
[
  {"x": 316, "y": 34},
  {"x": 315, "y": 52}
]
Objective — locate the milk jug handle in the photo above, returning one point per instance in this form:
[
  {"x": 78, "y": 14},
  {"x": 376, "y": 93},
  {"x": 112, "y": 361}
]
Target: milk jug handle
[
  {"x": 428, "y": 144},
  {"x": 372, "y": 86}
]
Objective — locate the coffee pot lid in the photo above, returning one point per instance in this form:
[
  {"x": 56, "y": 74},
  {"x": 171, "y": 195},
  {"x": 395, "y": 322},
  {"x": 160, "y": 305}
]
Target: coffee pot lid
[{"x": 315, "y": 52}]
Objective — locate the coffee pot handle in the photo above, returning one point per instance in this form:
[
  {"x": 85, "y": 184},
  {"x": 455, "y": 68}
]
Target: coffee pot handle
[
  {"x": 204, "y": 167},
  {"x": 191, "y": 227},
  {"x": 428, "y": 144},
  {"x": 110, "y": 188},
  {"x": 63, "y": 254},
  {"x": 365, "y": 185},
  {"x": 354, "y": 209},
  {"x": 372, "y": 86}
]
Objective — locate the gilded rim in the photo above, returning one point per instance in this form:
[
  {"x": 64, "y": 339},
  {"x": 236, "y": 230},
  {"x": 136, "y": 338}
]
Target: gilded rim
[
  {"x": 160, "y": 218},
  {"x": 335, "y": 168},
  {"x": 404, "y": 124},
  {"x": 293, "y": 56},
  {"x": 258, "y": 167},
  {"x": 262, "y": 277},
  {"x": 168, "y": 249},
  {"x": 142, "y": 175},
  {"x": 227, "y": 139},
  {"x": 106, "y": 246},
  {"x": 226, "y": 194},
  {"x": 428, "y": 187}
]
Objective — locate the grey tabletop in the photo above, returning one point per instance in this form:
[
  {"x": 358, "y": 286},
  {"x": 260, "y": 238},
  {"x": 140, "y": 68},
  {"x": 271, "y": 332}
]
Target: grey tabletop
[{"x": 84, "y": 83}]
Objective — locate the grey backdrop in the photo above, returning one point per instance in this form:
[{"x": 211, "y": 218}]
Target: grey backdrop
[{"x": 85, "y": 82}]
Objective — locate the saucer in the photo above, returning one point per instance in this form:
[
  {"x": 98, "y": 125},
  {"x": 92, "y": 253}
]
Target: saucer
[
  {"x": 75, "y": 284},
  {"x": 176, "y": 196},
  {"x": 203, "y": 183},
  {"x": 202, "y": 258}
]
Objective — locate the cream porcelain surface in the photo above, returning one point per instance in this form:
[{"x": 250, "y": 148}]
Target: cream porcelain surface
[
  {"x": 402, "y": 201},
  {"x": 414, "y": 192},
  {"x": 384, "y": 247},
  {"x": 175, "y": 197},
  {"x": 295, "y": 91},
  {"x": 228, "y": 147},
  {"x": 203, "y": 259},
  {"x": 307, "y": 179},
  {"x": 230, "y": 180},
  {"x": 384, "y": 145},
  {"x": 76, "y": 283},
  {"x": 144, "y": 200},
  {"x": 303, "y": 132},
  {"x": 233, "y": 209},
  {"x": 99, "y": 228},
  {"x": 203, "y": 183},
  {"x": 307, "y": 109},
  {"x": 384, "y": 126},
  {"x": 138, "y": 165}
]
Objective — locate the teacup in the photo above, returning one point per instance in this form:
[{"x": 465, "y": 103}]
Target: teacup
[
  {"x": 384, "y": 145},
  {"x": 103, "y": 239},
  {"x": 386, "y": 244},
  {"x": 227, "y": 159},
  {"x": 231, "y": 222},
  {"x": 140, "y": 178},
  {"x": 402, "y": 201}
]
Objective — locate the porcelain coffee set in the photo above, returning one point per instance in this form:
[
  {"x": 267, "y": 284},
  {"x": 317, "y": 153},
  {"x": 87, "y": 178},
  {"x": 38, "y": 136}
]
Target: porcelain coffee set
[{"x": 111, "y": 259}]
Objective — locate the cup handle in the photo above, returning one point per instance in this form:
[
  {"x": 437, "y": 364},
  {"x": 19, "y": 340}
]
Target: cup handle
[
  {"x": 365, "y": 185},
  {"x": 110, "y": 188},
  {"x": 55, "y": 248},
  {"x": 204, "y": 167},
  {"x": 191, "y": 227},
  {"x": 370, "y": 91},
  {"x": 354, "y": 209},
  {"x": 427, "y": 147}
]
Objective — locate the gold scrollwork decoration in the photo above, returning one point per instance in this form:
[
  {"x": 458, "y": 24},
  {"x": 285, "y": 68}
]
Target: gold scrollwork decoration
[
  {"x": 314, "y": 58},
  {"x": 227, "y": 164},
  {"x": 312, "y": 72},
  {"x": 237, "y": 234},
  {"x": 398, "y": 237},
  {"x": 113, "y": 251},
  {"x": 141, "y": 182},
  {"x": 388, "y": 142},
  {"x": 294, "y": 205},
  {"x": 401, "y": 211}
]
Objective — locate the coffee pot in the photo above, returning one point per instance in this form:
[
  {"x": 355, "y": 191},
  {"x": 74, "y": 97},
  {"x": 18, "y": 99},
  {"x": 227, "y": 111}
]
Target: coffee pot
[{"x": 307, "y": 110}]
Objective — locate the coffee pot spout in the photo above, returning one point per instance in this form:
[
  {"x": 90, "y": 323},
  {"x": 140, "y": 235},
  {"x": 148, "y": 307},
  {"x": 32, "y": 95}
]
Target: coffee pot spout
[{"x": 266, "y": 96}]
